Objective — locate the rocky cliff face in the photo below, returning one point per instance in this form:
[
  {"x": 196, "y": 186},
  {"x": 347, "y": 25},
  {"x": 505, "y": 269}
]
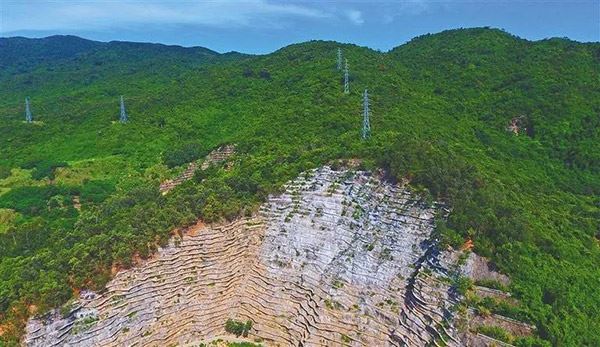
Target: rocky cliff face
[{"x": 340, "y": 258}]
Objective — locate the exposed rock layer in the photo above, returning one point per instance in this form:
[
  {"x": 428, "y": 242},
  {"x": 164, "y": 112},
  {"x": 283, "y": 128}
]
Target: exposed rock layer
[
  {"x": 341, "y": 258},
  {"x": 219, "y": 155}
]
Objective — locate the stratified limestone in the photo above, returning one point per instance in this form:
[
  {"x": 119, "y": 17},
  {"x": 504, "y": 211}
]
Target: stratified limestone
[
  {"x": 187, "y": 174},
  {"x": 340, "y": 258},
  {"x": 217, "y": 156},
  {"x": 480, "y": 269}
]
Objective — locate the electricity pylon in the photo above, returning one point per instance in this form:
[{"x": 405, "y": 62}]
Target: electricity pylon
[
  {"x": 28, "y": 116},
  {"x": 366, "y": 130},
  {"x": 339, "y": 59},
  {"x": 346, "y": 82},
  {"x": 123, "y": 117}
]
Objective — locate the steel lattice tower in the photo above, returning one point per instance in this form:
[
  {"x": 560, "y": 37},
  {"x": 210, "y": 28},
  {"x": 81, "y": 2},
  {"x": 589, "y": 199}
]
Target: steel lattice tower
[
  {"x": 28, "y": 116},
  {"x": 123, "y": 117},
  {"x": 346, "y": 82},
  {"x": 339, "y": 59},
  {"x": 366, "y": 130}
]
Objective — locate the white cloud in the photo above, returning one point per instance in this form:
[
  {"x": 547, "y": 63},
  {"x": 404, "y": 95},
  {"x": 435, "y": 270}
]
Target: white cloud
[
  {"x": 407, "y": 7},
  {"x": 90, "y": 15},
  {"x": 355, "y": 17}
]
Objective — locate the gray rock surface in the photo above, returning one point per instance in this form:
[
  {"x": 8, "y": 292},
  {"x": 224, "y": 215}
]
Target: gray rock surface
[{"x": 340, "y": 258}]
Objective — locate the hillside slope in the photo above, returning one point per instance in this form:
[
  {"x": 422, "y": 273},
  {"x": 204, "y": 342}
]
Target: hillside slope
[
  {"x": 441, "y": 105},
  {"x": 341, "y": 256}
]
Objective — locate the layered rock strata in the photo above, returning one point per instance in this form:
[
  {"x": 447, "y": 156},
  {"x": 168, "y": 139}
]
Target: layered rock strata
[
  {"x": 217, "y": 156},
  {"x": 340, "y": 258},
  {"x": 187, "y": 174}
]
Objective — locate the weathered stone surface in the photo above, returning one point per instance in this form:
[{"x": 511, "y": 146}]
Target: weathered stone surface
[
  {"x": 187, "y": 174},
  {"x": 340, "y": 258},
  {"x": 479, "y": 268},
  {"x": 219, "y": 155}
]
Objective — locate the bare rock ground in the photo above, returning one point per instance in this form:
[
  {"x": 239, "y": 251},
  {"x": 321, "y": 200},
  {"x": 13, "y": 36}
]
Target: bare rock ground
[{"x": 340, "y": 258}]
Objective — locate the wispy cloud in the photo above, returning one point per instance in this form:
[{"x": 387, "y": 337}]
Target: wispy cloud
[
  {"x": 407, "y": 7},
  {"x": 92, "y": 15},
  {"x": 355, "y": 17}
]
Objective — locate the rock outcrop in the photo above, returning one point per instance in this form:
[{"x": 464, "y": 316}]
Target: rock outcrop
[
  {"x": 217, "y": 156},
  {"x": 340, "y": 258},
  {"x": 186, "y": 175}
]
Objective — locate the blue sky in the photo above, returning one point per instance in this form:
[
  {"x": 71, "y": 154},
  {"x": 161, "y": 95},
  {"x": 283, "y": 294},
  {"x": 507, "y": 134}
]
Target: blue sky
[{"x": 261, "y": 26}]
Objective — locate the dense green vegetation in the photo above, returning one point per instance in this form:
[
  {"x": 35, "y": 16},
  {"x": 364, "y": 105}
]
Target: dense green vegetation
[
  {"x": 441, "y": 104},
  {"x": 496, "y": 332},
  {"x": 238, "y": 328}
]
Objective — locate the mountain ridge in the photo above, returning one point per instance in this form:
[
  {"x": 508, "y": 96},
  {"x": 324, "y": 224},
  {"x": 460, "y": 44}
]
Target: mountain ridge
[
  {"x": 448, "y": 32},
  {"x": 441, "y": 108}
]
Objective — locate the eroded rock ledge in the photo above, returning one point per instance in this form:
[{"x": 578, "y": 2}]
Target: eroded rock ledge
[{"x": 340, "y": 258}]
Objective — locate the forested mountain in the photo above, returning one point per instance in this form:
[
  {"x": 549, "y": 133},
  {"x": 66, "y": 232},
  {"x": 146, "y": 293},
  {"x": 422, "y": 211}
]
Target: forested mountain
[
  {"x": 21, "y": 54},
  {"x": 441, "y": 105}
]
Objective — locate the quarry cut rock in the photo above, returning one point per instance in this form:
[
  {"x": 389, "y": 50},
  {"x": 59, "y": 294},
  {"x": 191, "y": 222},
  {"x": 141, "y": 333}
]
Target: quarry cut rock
[{"x": 340, "y": 258}]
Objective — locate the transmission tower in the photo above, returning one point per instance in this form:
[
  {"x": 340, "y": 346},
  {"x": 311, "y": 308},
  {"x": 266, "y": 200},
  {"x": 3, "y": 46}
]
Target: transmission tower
[
  {"x": 339, "y": 59},
  {"x": 366, "y": 130},
  {"x": 123, "y": 118},
  {"x": 28, "y": 117},
  {"x": 346, "y": 83}
]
